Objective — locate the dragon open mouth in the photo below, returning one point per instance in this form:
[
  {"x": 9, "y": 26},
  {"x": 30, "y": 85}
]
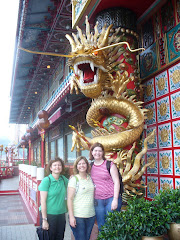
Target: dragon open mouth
[
  {"x": 89, "y": 75},
  {"x": 88, "y": 72}
]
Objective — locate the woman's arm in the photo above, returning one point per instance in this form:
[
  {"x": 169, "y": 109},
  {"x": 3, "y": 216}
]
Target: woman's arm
[
  {"x": 45, "y": 224},
  {"x": 70, "y": 198},
  {"x": 115, "y": 178}
]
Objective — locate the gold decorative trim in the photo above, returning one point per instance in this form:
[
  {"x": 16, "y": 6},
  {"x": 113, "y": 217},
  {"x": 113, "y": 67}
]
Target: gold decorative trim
[
  {"x": 150, "y": 113},
  {"x": 176, "y": 104},
  {"x": 176, "y": 76},
  {"x": 166, "y": 67},
  {"x": 153, "y": 161},
  {"x": 164, "y": 135},
  {"x": 165, "y": 162},
  {"x": 161, "y": 83},
  {"x": 177, "y": 130},
  {"x": 76, "y": 19},
  {"x": 178, "y": 161},
  {"x": 166, "y": 49},
  {"x": 163, "y": 109},
  {"x": 166, "y": 186},
  {"x": 152, "y": 187}
]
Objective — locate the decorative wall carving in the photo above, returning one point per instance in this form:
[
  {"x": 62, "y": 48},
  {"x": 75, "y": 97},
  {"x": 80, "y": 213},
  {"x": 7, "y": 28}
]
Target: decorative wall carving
[{"x": 165, "y": 105}]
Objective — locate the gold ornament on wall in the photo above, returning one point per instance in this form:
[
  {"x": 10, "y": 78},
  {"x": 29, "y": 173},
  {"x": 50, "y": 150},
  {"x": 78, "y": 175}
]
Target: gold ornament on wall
[
  {"x": 177, "y": 130},
  {"x": 152, "y": 160},
  {"x": 165, "y": 162},
  {"x": 152, "y": 138},
  {"x": 178, "y": 161},
  {"x": 152, "y": 187},
  {"x": 166, "y": 186},
  {"x": 150, "y": 113},
  {"x": 176, "y": 76},
  {"x": 176, "y": 104},
  {"x": 148, "y": 90},
  {"x": 163, "y": 109},
  {"x": 161, "y": 83},
  {"x": 164, "y": 133}
]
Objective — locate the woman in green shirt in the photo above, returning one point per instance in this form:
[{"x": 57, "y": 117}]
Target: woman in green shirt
[{"x": 53, "y": 189}]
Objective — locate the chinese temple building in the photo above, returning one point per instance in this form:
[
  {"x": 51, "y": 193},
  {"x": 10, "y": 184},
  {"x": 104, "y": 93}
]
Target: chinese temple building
[{"x": 42, "y": 79}]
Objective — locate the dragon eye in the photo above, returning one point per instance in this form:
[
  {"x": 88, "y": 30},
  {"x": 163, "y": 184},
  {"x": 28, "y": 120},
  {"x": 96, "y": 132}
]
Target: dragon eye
[{"x": 95, "y": 53}]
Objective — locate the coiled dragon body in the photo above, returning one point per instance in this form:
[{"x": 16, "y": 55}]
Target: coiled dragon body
[{"x": 100, "y": 73}]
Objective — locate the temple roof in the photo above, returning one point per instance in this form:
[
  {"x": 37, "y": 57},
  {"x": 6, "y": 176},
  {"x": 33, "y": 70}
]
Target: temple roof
[{"x": 41, "y": 27}]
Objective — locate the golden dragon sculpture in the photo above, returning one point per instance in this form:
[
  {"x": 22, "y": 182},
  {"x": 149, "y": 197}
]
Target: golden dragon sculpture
[{"x": 116, "y": 116}]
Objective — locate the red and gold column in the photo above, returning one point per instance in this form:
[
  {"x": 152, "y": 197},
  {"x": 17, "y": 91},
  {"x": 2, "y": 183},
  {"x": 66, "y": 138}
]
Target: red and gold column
[{"x": 42, "y": 148}]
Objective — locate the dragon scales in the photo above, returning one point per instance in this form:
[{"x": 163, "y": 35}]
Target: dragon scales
[{"x": 117, "y": 116}]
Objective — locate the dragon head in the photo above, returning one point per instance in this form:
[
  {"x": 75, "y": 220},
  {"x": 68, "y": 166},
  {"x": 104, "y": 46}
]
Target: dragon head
[{"x": 90, "y": 66}]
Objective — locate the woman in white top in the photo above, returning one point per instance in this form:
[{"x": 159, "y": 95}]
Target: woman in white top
[{"x": 81, "y": 200}]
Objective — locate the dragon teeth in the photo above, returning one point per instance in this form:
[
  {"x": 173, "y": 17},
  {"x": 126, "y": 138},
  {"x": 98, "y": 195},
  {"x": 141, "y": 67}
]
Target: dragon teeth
[
  {"x": 75, "y": 69},
  {"x": 95, "y": 78},
  {"x": 92, "y": 66},
  {"x": 81, "y": 78}
]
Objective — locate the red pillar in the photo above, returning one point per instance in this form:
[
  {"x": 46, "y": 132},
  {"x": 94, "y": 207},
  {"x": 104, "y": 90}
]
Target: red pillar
[
  {"x": 42, "y": 148},
  {"x": 29, "y": 152}
]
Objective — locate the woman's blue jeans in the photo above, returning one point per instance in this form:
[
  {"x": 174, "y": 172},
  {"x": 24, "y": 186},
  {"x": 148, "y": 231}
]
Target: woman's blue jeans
[
  {"x": 102, "y": 207},
  {"x": 83, "y": 228}
]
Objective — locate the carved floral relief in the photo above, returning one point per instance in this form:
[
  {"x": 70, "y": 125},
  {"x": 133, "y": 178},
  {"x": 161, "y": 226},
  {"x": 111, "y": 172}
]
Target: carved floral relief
[
  {"x": 176, "y": 133},
  {"x": 149, "y": 90},
  {"x": 148, "y": 61},
  {"x": 174, "y": 77},
  {"x": 161, "y": 83},
  {"x": 177, "y": 162},
  {"x": 177, "y": 183},
  {"x": 173, "y": 43},
  {"x": 152, "y": 143},
  {"x": 152, "y": 157},
  {"x": 166, "y": 183},
  {"x": 151, "y": 114},
  {"x": 152, "y": 187},
  {"x": 163, "y": 110},
  {"x": 175, "y": 104},
  {"x": 164, "y": 133},
  {"x": 165, "y": 161}
]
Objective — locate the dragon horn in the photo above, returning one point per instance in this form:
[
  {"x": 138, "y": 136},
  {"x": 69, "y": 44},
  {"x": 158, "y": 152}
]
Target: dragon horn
[
  {"x": 105, "y": 39},
  {"x": 76, "y": 39},
  {"x": 73, "y": 45},
  {"x": 101, "y": 36},
  {"x": 96, "y": 33},
  {"x": 81, "y": 35}
]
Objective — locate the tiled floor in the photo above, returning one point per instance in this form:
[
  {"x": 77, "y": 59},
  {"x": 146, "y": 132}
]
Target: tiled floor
[
  {"x": 19, "y": 232},
  {"x": 9, "y": 183},
  {"x": 13, "y": 211},
  {"x": 15, "y": 221}
]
